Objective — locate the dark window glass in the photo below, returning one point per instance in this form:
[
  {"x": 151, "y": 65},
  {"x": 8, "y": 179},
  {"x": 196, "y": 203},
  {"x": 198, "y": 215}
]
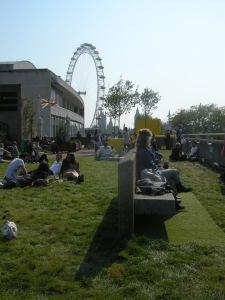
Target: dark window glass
[{"x": 8, "y": 101}]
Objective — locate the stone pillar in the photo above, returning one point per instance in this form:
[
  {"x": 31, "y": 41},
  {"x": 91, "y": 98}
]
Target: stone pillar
[{"x": 125, "y": 195}]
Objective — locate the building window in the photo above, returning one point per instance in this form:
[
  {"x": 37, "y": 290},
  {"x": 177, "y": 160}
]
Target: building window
[{"x": 8, "y": 101}]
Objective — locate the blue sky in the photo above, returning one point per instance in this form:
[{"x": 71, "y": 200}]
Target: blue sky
[{"x": 174, "y": 47}]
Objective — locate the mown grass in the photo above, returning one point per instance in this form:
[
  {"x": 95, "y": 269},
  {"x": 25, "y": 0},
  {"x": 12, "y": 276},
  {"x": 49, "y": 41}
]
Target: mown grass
[
  {"x": 68, "y": 247},
  {"x": 206, "y": 188}
]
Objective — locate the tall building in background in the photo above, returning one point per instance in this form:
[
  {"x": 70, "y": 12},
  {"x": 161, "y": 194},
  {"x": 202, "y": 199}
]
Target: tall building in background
[
  {"x": 110, "y": 128},
  {"x": 136, "y": 115},
  {"x": 22, "y": 84},
  {"x": 102, "y": 120}
]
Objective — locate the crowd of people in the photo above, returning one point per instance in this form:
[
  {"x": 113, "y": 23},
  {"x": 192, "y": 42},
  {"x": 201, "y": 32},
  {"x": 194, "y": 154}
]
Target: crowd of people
[
  {"x": 179, "y": 152},
  {"x": 150, "y": 163},
  {"x": 103, "y": 151},
  {"x": 16, "y": 174}
]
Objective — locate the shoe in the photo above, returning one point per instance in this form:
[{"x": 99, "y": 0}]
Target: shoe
[
  {"x": 80, "y": 179},
  {"x": 179, "y": 207}
]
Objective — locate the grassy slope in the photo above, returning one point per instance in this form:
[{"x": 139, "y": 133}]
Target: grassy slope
[{"x": 67, "y": 247}]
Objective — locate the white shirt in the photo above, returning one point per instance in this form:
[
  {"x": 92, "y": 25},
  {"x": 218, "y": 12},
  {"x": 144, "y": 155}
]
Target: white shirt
[
  {"x": 13, "y": 168},
  {"x": 56, "y": 166},
  {"x": 105, "y": 152},
  {"x": 126, "y": 137},
  {"x": 193, "y": 151}
]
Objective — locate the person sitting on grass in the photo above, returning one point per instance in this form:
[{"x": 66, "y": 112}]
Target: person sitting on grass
[
  {"x": 106, "y": 153},
  {"x": 70, "y": 168},
  {"x": 193, "y": 154},
  {"x": 34, "y": 153},
  {"x": 177, "y": 154},
  {"x": 16, "y": 167},
  {"x": 14, "y": 150},
  {"x": 146, "y": 160},
  {"x": 41, "y": 172},
  {"x": 36, "y": 177},
  {"x": 56, "y": 166},
  {"x": 4, "y": 153}
]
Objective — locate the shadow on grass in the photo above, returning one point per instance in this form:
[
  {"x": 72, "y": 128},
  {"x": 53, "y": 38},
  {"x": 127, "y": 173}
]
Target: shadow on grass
[
  {"x": 106, "y": 244},
  {"x": 152, "y": 226},
  {"x": 222, "y": 187}
]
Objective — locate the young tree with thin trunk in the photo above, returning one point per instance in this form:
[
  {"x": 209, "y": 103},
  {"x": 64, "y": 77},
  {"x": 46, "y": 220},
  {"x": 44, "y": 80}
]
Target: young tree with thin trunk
[
  {"x": 28, "y": 118},
  {"x": 149, "y": 100},
  {"x": 120, "y": 99}
]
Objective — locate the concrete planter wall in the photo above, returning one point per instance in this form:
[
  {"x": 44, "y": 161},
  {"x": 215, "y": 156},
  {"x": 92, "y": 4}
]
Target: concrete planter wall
[{"x": 209, "y": 151}]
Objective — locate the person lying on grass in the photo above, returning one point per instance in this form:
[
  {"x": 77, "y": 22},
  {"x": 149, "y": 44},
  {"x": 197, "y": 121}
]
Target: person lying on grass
[
  {"x": 146, "y": 160},
  {"x": 70, "y": 168}
]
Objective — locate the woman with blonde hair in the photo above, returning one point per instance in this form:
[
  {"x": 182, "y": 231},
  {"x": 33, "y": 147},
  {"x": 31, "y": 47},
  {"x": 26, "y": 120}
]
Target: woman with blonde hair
[{"x": 146, "y": 160}]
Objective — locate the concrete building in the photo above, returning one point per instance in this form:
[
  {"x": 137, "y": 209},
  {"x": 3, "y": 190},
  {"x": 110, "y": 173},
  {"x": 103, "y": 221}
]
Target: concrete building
[{"x": 21, "y": 82}]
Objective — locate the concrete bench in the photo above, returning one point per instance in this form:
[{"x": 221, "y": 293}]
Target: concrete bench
[{"x": 131, "y": 204}]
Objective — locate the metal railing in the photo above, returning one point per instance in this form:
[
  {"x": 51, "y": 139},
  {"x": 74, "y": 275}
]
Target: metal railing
[{"x": 205, "y": 136}]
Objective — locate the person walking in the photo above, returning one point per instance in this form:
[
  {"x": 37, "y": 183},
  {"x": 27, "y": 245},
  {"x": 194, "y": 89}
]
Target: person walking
[{"x": 126, "y": 138}]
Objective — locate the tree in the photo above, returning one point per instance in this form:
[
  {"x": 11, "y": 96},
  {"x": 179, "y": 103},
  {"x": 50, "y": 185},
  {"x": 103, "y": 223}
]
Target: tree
[
  {"x": 120, "y": 99},
  {"x": 149, "y": 100},
  {"x": 62, "y": 134},
  {"x": 28, "y": 118},
  {"x": 200, "y": 118}
]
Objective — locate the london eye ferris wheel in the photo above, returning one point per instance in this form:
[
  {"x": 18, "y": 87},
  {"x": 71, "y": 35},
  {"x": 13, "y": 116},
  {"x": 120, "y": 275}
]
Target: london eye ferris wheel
[{"x": 88, "y": 48}]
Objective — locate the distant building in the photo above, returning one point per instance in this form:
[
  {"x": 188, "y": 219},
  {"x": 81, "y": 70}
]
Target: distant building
[
  {"x": 102, "y": 121},
  {"x": 22, "y": 81},
  {"x": 110, "y": 128},
  {"x": 137, "y": 114}
]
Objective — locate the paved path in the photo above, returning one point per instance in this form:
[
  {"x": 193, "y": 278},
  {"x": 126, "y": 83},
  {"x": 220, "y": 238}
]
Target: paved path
[{"x": 84, "y": 152}]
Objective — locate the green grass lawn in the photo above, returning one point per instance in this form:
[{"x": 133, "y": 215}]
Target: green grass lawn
[{"x": 68, "y": 247}]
